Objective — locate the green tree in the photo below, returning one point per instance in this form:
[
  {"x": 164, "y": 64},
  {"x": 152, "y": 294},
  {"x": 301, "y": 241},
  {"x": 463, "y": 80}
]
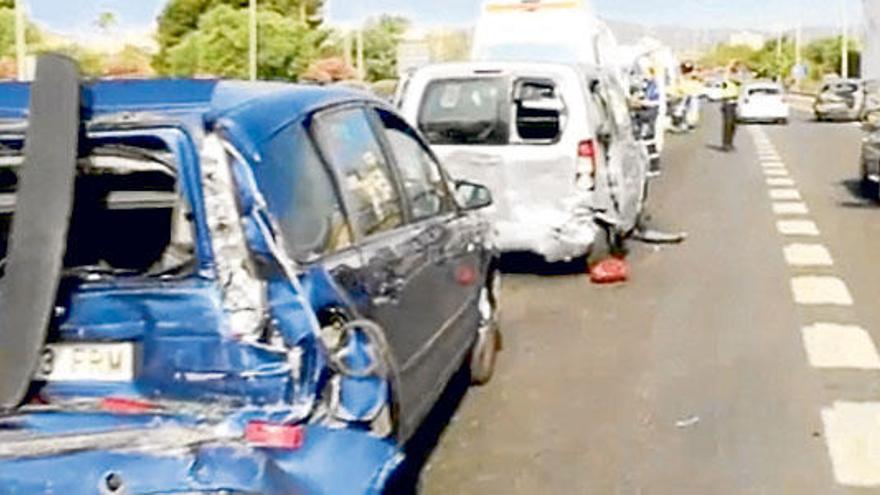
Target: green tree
[
  {"x": 722, "y": 55},
  {"x": 824, "y": 57},
  {"x": 7, "y": 32},
  {"x": 106, "y": 21},
  {"x": 381, "y": 38},
  {"x": 219, "y": 46},
  {"x": 179, "y": 18},
  {"x": 775, "y": 60}
]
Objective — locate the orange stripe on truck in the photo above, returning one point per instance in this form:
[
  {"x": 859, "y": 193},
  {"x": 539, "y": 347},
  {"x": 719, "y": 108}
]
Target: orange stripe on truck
[{"x": 533, "y": 6}]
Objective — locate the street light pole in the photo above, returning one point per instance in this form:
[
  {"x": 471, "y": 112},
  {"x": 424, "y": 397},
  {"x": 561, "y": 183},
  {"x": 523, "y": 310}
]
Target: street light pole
[
  {"x": 844, "y": 46},
  {"x": 252, "y": 44},
  {"x": 20, "y": 41}
]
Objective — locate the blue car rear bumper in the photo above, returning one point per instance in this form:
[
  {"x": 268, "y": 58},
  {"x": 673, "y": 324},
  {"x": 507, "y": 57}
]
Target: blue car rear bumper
[{"x": 336, "y": 462}]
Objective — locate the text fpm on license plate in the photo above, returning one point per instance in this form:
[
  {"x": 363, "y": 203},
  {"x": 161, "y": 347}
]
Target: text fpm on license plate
[{"x": 105, "y": 362}]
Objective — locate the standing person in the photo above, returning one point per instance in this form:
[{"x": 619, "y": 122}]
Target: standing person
[
  {"x": 649, "y": 116},
  {"x": 728, "y": 114}
]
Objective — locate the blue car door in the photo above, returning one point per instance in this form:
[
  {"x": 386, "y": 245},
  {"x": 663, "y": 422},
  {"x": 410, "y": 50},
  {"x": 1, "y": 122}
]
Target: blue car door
[{"x": 402, "y": 253}]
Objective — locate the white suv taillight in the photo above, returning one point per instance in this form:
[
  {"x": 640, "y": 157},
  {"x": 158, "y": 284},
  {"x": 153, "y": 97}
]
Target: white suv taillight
[{"x": 586, "y": 163}]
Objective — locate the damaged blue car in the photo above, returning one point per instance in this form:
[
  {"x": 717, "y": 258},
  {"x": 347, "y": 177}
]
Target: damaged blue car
[{"x": 223, "y": 287}]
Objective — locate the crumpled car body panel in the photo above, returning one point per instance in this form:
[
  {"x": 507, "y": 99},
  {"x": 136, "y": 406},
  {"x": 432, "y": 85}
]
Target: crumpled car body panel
[
  {"x": 226, "y": 464},
  {"x": 536, "y": 205},
  {"x": 189, "y": 351}
]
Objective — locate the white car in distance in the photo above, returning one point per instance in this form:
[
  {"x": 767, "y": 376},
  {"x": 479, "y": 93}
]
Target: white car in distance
[{"x": 762, "y": 102}]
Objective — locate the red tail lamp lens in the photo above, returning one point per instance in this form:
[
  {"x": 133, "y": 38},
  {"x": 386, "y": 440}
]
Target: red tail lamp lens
[
  {"x": 122, "y": 405},
  {"x": 274, "y": 436},
  {"x": 587, "y": 149}
]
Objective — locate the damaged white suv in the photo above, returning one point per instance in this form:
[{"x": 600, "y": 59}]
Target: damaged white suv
[{"x": 553, "y": 142}]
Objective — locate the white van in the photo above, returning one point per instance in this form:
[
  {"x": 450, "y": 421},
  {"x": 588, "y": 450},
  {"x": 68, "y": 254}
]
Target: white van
[
  {"x": 553, "y": 142},
  {"x": 565, "y": 31}
]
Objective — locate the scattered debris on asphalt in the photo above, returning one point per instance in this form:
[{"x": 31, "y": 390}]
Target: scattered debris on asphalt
[
  {"x": 651, "y": 236},
  {"x": 688, "y": 422}
]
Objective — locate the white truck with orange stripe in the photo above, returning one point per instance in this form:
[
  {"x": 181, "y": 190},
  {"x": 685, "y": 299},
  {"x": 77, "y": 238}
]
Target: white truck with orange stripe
[{"x": 563, "y": 31}]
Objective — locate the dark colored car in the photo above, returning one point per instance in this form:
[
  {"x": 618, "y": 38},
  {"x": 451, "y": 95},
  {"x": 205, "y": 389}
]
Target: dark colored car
[
  {"x": 870, "y": 156},
  {"x": 221, "y": 287}
]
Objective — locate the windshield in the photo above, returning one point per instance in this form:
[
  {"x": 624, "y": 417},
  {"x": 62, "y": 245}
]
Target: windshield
[
  {"x": 466, "y": 111},
  {"x": 764, "y": 92}
]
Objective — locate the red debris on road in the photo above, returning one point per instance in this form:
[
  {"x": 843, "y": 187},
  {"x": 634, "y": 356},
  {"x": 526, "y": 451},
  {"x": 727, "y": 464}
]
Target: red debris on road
[{"x": 610, "y": 271}]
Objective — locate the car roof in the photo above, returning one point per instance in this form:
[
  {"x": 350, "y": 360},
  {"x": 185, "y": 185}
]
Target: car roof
[{"x": 253, "y": 104}]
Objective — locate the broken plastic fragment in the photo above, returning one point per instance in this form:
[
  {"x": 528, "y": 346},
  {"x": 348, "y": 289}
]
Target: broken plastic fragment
[
  {"x": 657, "y": 237},
  {"x": 610, "y": 271},
  {"x": 688, "y": 422}
]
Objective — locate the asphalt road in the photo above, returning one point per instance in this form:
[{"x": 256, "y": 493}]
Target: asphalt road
[{"x": 740, "y": 362}]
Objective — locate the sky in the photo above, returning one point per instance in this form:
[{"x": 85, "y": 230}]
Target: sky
[{"x": 78, "y": 16}]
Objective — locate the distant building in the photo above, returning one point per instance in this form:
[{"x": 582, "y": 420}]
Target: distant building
[{"x": 753, "y": 40}]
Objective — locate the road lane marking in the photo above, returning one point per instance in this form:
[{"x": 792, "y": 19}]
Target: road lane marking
[
  {"x": 832, "y": 346},
  {"x": 803, "y": 255},
  {"x": 797, "y": 228},
  {"x": 818, "y": 291},
  {"x": 775, "y": 172},
  {"x": 790, "y": 208},
  {"x": 780, "y": 182},
  {"x": 852, "y": 434},
  {"x": 785, "y": 194},
  {"x": 773, "y": 164}
]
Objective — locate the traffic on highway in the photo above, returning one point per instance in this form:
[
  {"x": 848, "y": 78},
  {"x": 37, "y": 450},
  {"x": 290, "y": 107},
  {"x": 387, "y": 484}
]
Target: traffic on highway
[{"x": 261, "y": 248}]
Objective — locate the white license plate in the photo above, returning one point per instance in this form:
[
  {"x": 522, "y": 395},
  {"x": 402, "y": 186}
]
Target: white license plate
[{"x": 87, "y": 362}]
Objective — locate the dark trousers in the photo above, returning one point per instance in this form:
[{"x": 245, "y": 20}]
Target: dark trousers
[{"x": 728, "y": 113}]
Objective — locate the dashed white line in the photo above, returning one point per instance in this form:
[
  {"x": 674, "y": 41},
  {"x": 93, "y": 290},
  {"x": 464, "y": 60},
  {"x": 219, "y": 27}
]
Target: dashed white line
[
  {"x": 834, "y": 346},
  {"x": 852, "y": 433},
  {"x": 785, "y": 194},
  {"x": 790, "y": 208},
  {"x": 780, "y": 182},
  {"x": 797, "y": 228},
  {"x": 820, "y": 290},
  {"x": 775, "y": 172},
  {"x": 804, "y": 255},
  {"x": 773, "y": 164}
]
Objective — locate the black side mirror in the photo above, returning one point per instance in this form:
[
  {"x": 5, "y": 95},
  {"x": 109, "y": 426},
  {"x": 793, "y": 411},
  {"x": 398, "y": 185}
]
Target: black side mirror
[{"x": 471, "y": 196}]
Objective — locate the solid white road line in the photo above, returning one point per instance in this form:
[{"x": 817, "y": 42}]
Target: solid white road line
[
  {"x": 780, "y": 182},
  {"x": 835, "y": 346},
  {"x": 797, "y": 228},
  {"x": 808, "y": 255},
  {"x": 789, "y": 208},
  {"x": 785, "y": 194},
  {"x": 852, "y": 433},
  {"x": 816, "y": 291}
]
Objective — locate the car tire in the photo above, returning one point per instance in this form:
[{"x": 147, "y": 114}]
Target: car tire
[
  {"x": 869, "y": 189},
  {"x": 484, "y": 352}
]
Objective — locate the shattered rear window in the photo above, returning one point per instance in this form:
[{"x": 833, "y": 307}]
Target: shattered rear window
[
  {"x": 129, "y": 218},
  {"x": 466, "y": 111}
]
